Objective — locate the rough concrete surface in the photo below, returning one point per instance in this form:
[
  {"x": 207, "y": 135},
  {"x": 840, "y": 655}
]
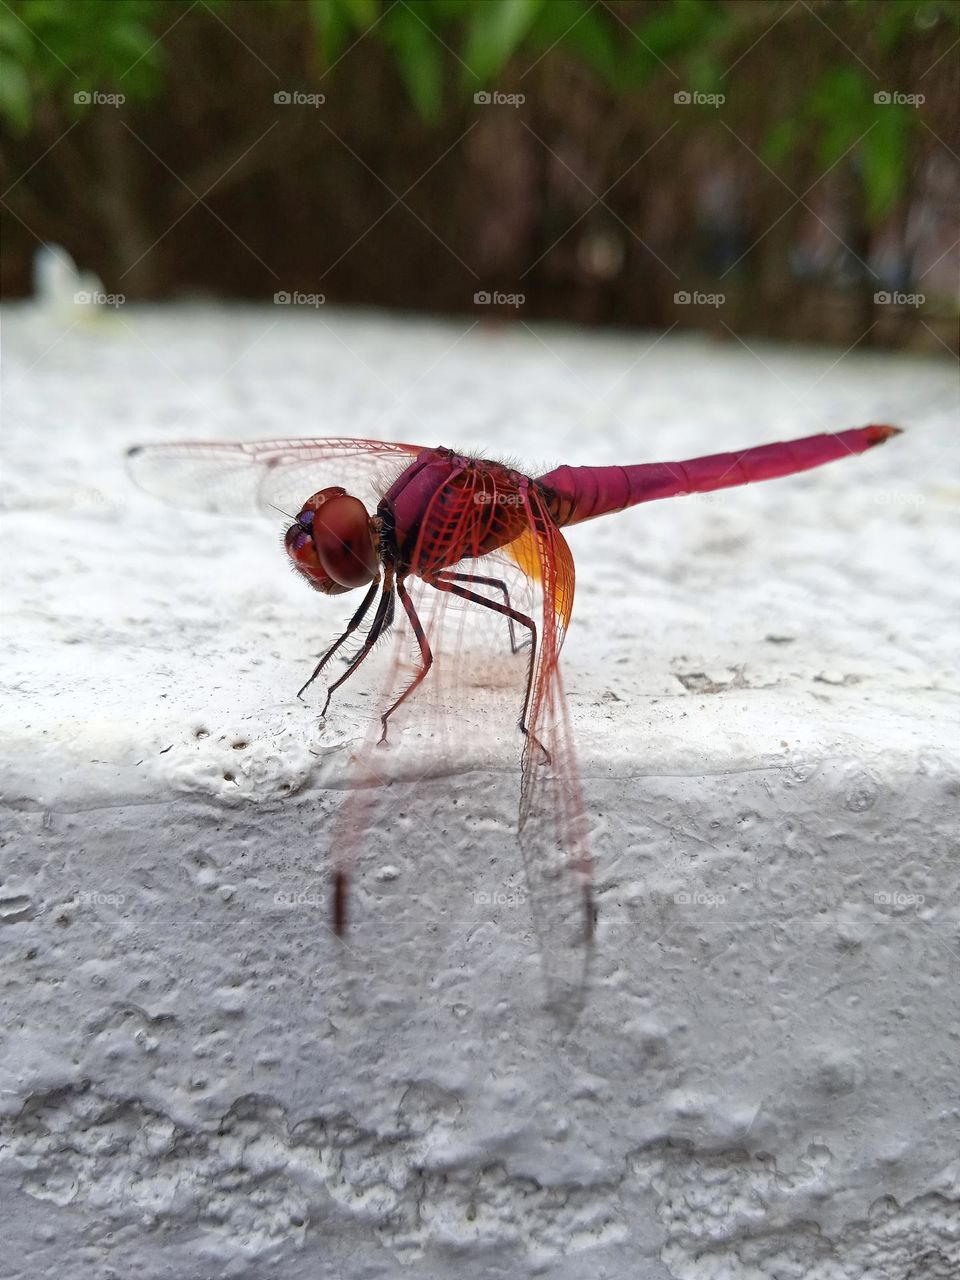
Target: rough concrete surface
[{"x": 197, "y": 1080}]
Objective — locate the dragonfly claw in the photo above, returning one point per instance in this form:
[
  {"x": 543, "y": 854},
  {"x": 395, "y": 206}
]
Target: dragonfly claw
[{"x": 305, "y": 686}]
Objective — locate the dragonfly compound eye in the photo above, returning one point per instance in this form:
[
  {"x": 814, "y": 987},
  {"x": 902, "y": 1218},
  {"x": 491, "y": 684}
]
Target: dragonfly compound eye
[{"x": 331, "y": 543}]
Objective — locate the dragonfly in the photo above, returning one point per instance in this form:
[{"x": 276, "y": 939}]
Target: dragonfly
[{"x": 382, "y": 517}]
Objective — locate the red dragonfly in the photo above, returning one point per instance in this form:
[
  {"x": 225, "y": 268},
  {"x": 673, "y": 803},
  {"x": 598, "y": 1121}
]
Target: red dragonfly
[{"x": 381, "y": 515}]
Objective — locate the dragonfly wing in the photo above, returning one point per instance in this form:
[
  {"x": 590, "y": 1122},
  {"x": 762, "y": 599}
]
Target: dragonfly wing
[
  {"x": 262, "y": 476},
  {"x": 553, "y": 824}
]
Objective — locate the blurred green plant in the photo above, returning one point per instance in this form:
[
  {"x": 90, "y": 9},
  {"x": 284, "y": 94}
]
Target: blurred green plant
[
  {"x": 57, "y": 47},
  {"x": 53, "y": 47}
]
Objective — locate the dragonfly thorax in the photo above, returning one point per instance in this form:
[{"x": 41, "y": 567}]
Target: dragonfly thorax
[{"x": 333, "y": 543}]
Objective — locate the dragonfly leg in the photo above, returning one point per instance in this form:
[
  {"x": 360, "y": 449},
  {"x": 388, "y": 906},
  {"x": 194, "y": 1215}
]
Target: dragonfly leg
[
  {"x": 500, "y": 585},
  {"x": 382, "y": 620},
  {"x": 442, "y": 584},
  {"x": 351, "y": 627},
  {"x": 425, "y": 654}
]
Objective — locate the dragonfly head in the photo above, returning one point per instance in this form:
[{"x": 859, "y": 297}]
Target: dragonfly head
[{"x": 333, "y": 543}]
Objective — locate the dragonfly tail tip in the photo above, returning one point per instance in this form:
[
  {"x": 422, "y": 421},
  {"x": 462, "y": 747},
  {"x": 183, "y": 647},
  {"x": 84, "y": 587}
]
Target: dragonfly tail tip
[{"x": 877, "y": 433}]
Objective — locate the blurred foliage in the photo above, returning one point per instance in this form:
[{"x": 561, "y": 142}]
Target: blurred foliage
[
  {"x": 55, "y": 47},
  {"x": 52, "y": 47}
]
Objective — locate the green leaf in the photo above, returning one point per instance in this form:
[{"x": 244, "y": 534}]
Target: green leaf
[
  {"x": 362, "y": 13},
  {"x": 842, "y": 100},
  {"x": 704, "y": 72},
  {"x": 575, "y": 24},
  {"x": 495, "y": 31},
  {"x": 86, "y": 43},
  {"x": 885, "y": 158},
  {"x": 329, "y": 20},
  {"x": 891, "y": 26},
  {"x": 14, "y": 37},
  {"x": 680, "y": 26},
  {"x": 779, "y": 141},
  {"x": 15, "y": 98},
  {"x": 842, "y": 92},
  {"x": 445, "y": 13},
  {"x": 419, "y": 56},
  {"x": 592, "y": 37}
]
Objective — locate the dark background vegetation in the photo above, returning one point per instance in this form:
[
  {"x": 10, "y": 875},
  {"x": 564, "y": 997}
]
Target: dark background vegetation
[{"x": 599, "y": 198}]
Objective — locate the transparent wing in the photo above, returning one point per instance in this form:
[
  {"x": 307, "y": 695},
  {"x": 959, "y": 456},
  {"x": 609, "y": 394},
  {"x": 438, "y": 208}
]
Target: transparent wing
[
  {"x": 261, "y": 476},
  {"x": 552, "y": 821},
  {"x": 552, "y": 824}
]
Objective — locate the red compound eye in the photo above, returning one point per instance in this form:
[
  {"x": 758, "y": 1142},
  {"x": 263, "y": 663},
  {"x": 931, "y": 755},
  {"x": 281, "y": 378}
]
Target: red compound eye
[
  {"x": 344, "y": 541},
  {"x": 332, "y": 543}
]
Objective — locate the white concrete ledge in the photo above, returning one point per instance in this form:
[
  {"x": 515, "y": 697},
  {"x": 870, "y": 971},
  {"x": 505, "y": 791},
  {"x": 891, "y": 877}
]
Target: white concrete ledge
[{"x": 197, "y": 1079}]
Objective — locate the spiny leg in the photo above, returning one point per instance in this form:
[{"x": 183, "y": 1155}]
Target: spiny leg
[
  {"x": 382, "y": 620},
  {"x": 425, "y": 654},
  {"x": 524, "y": 621},
  {"x": 351, "y": 627},
  {"x": 500, "y": 585}
]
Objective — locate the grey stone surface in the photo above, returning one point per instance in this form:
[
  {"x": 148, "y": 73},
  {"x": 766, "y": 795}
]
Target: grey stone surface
[{"x": 198, "y": 1080}]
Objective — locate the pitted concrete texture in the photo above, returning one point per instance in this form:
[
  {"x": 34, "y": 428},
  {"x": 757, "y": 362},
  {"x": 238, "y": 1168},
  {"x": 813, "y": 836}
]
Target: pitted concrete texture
[{"x": 198, "y": 1080}]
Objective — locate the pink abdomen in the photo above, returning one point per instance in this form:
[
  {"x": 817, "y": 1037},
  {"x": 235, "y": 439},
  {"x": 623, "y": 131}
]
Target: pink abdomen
[{"x": 581, "y": 493}]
